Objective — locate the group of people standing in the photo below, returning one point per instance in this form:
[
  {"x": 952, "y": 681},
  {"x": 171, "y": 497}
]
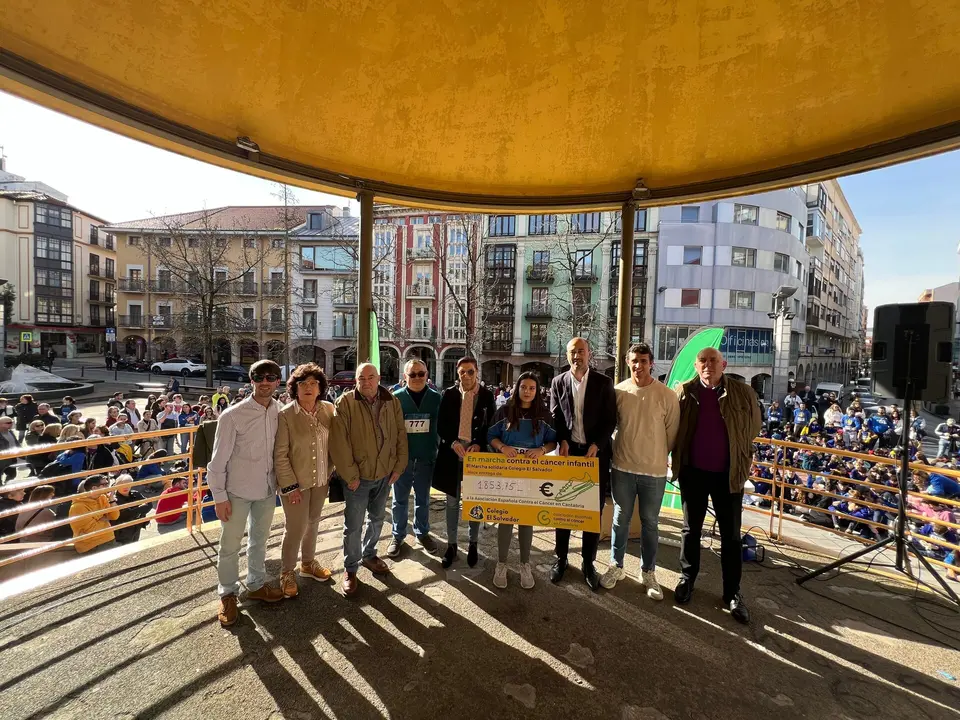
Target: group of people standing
[{"x": 373, "y": 443}]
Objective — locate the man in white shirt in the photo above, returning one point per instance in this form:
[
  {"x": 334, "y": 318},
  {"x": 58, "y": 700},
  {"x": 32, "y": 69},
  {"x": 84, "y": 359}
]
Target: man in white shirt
[
  {"x": 648, "y": 417},
  {"x": 130, "y": 407},
  {"x": 242, "y": 480}
]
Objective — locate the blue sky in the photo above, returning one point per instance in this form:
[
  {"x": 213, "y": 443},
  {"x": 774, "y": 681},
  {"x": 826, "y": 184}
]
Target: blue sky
[
  {"x": 910, "y": 235},
  {"x": 908, "y": 214}
]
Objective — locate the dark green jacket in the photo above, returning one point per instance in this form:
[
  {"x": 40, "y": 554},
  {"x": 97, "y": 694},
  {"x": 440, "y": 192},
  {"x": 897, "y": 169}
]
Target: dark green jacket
[{"x": 422, "y": 445}]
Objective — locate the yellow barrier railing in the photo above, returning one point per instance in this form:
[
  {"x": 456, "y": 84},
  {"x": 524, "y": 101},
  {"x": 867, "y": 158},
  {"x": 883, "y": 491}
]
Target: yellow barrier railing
[
  {"x": 781, "y": 501},
  {"x": 12, "y": 542},
  {"x": 783, "y": 498}
]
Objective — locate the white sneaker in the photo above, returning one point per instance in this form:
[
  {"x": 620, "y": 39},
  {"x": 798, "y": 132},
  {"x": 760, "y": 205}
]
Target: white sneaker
[
  {"x": 500, "y": 576},
  {"x": 613, "y": 575},
  {"x": 526, "y": 576},
  {"x": 653, "y": 587}
]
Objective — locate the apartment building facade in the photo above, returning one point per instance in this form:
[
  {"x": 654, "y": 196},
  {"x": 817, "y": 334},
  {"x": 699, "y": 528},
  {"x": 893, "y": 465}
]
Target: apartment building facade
[
  {"x": 237, "y": 258},
  {"x": 61, "y": 262},
  {"x": 835, "y": 333},
  {"x": 510, "y": 289},
  {"x": 721, "y": 263}
]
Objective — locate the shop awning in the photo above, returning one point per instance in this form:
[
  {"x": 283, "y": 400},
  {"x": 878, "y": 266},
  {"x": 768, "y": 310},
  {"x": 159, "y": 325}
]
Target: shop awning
[{"x": 547, "y": 103}]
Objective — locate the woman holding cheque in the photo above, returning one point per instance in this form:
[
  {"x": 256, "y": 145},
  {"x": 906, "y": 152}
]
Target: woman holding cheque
[{"x": 522, "y": 426}]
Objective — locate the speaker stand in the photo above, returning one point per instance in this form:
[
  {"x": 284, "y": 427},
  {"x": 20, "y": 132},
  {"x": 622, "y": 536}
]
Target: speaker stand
[{"x": 904, "y": 546}]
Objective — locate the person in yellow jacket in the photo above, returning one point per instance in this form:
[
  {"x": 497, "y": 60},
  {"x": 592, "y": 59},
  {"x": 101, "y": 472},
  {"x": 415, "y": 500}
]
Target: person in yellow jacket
[{"x": 103, "y": 501}]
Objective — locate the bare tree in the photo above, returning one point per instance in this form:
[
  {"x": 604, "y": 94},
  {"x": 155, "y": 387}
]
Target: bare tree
[
  {"x": 473, "y": 294},
  {"x": 576, "y": 293},
  {"x": 210, "y": 272}
]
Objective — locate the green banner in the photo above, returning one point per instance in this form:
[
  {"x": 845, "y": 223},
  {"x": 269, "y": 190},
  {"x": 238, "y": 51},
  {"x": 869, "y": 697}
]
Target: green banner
[
  {"x": 374, "y": 340},
  {"x": 682, "y": 368}
]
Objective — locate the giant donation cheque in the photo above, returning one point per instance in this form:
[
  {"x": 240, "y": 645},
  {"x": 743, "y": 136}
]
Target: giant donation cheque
[{"x": 550, "y": 491}]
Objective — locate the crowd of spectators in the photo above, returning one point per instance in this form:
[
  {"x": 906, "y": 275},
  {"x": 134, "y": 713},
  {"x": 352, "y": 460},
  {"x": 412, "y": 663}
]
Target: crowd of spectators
[
  {"x": 29, "y": 424},
  {"x": 859, "y": 496}
]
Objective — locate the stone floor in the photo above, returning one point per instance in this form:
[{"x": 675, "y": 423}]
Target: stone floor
[{"x": 137, "y": 637}]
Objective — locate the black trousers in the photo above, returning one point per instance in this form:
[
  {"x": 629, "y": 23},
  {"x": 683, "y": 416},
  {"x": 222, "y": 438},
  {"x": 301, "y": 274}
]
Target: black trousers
[
  {"x": 696, "y": 486},
  {"x": 590, "y": 540}
]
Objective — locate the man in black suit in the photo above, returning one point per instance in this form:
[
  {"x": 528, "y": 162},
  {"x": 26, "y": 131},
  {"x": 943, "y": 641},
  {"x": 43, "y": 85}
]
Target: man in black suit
[{"x": 584, "y": 408}]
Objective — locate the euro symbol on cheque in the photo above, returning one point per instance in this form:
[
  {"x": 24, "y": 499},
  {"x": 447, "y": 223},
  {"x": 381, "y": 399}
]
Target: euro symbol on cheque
[{"x": 545, "y": 489}]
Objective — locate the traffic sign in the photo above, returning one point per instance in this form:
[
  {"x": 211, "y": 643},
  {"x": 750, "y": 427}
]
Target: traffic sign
[
  {"x": 111, "y": 334},
  {"x": 26, "y": 337}
]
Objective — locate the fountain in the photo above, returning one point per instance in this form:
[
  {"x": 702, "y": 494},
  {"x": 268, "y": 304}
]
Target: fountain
[{"x": 27, "y": 379}]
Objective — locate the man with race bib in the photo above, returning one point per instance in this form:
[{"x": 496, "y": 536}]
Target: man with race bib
[{"x": 421, "y": 407}]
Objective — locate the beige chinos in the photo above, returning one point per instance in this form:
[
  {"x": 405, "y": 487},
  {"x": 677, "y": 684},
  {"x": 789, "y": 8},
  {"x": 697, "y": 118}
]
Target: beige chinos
[{"x": 302, "y": 522}]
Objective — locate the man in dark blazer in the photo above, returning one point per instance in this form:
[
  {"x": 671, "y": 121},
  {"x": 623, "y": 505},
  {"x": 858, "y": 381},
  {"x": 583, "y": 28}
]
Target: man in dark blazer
[{"x": 584, "y": 408}]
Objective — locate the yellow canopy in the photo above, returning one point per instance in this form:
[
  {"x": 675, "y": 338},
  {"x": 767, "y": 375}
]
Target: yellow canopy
[{"x": 505, "y": 103}]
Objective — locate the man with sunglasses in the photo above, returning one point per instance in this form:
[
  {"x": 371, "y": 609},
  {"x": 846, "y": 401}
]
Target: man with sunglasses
[
  {"x": 369, "y": 449},
  {"x": 243, "y": 484},
  {"x": 421, "y": 408}
]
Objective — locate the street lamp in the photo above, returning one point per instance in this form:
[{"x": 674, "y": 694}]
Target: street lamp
[{"x": 781, "y": 337}]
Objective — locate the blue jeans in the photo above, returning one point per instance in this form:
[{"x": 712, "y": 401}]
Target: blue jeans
[
  {"x": 453, "y": 516},
  {"x": 418, "y": 475},
  {"x": 260, "y": 515},
  {"x": 370, "y": 500},
  {"x": 648, "y": 491}
]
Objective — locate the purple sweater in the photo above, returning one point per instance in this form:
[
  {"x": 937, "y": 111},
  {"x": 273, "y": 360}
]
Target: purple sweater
[{"x": 710, "y": 450}]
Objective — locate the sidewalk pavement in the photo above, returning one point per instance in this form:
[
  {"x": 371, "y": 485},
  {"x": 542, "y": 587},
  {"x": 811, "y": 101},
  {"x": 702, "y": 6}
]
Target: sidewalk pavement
[{"x": 137, "y": 637}]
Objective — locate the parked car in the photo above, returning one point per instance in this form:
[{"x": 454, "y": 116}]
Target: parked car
[
  {"x": 178, "y": 366},
  {"x": 237, "y": 373},
  {"x": 345, "y": 379}
]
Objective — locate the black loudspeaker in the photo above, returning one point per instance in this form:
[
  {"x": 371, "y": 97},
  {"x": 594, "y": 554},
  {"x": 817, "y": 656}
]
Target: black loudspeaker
[{"x": 913, "y": 343}]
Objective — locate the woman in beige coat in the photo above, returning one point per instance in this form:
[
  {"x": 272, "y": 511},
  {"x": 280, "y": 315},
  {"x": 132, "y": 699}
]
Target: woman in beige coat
[{"x": 301, "y": 459}]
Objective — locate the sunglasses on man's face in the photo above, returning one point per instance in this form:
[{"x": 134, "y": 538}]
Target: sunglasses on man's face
[
  {"x": 268, "y": 377},
  {"x": 467, "y": 373},
  {"x": 420, "y": 374}
]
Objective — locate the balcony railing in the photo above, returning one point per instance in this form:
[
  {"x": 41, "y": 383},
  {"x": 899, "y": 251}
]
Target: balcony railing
[
  {"x": 540, "y": 274},
  {"x": 421, "y": 290},
  {"x": 135, "y": 285},
  {"x": 245, "y": 325},
  {"x": 167, "y": 286},
  {"x": 131, "y": 321},
  {"x": 344, "y": 332},
  {"x": 422, "y": 252},
  {"x": 539, "y": 310},
  {"x": 584, "y": 275},
  {"x": 97, "y": 321},
  {"x": 501, "y": 272},
  {"x": 244, "y": 287},
  {"x": 274, "y": 326},
  {"x": 497, "y": 345},
  {"x": 164, "y": 322},
  {"x": 423, "y": 332},
  {"x": 501, "y": 311},
  {"x": 274, "y": 288},
  {"x": 344, "y": 301},
  {"x": 537, "y": 347}
]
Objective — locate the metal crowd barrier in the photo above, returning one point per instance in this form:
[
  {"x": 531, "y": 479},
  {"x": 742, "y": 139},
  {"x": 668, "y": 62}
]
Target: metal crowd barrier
[
  {"x": 779, "y": 497},
  {"x": 13, "y": 542}
]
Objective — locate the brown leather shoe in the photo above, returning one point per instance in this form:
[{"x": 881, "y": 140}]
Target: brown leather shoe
[
  {"x": 266, "y": 593},
  {"x": 376, "y": 565},
  {"x": 350, "y": 583},
  {"x": 316, "y": 571},
  {"x": 288, "y": 584},
  {"x": 227, "y": 614}
]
